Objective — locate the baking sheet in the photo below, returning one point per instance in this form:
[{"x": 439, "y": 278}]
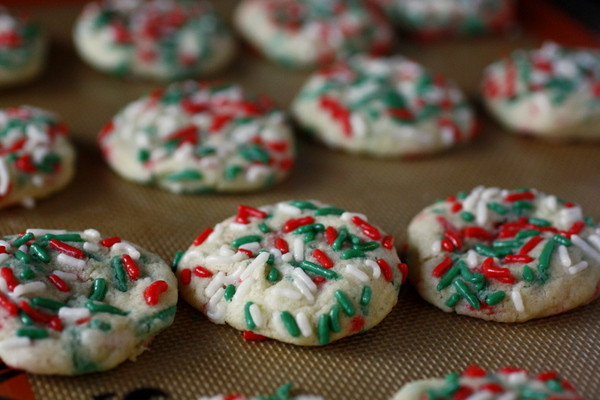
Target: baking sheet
[{"x": 195, "y": 357}]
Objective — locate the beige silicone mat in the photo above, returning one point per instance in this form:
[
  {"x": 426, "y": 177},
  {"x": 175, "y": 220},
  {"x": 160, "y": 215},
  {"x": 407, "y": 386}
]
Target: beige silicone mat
[{"x": 195, "y": 357}]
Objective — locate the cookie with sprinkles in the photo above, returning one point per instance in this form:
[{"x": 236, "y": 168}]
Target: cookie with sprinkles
[
  {"x": 22, "y": 49},
  {"x": 505, "y": 255},
  {"x": 154, "y": 39},
  {"x": 308, "y": 33},
  {"x": 196, "y": 137},
  {"x": 436, "y": 19},
  {"x": 282, "y": 393},
  {"x": 74, "y": 302},
  {"x": 36, "y": 158},
  {"x": 476, "y": 383},
  {"x": 301, "y": 272},
  {"x": 550, "y": 92},
  {"x": 384, "y": 107}
]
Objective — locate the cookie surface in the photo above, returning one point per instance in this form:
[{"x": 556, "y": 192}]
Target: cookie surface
[
  {"x": 154, "y": 39},
  {"x": 551, "y": 92},
  {"x": 22, "y": 49},
  {"x": 195, "y": 137},
  {"x": 307, "y": 33},
  {"x": 476, "y": 383},
  {"x": 73, "y": 302},
  {"x": 299, "y": 272},
  {"x": 502, "y": 255},
  {"x": 384, "y": 107},
  {"x": 36, "y": 158}
]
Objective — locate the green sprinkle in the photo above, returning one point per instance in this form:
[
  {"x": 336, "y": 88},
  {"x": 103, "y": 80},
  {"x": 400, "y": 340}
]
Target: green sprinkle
[
  {"x": 352, "y": 253},
  {"x": 539, "y": 222},
  {"x": 527, "y": 233},
  {"x": 495, "y": 298},
  {"x": 205, "y": 151},
  {"x": 530, "y": 394},
  {"x": 232, "y": 171},
  {"x": 95, "y": 308},
  {"x": 463, "y": 290},
  {"x": 290, "y": 323},
  {"x": 273, "y": 275},
  {"x": 355, "y": 239},
  {"x": 453, "y": 300},
  {"x": 318, "y": 270},
  {"x": 99, "y": 289},
  {"x": 486, "y": 251},
  {"x": 448, "y": 278},
  {"x": 229, "y": 292},
  {"x": 245, "y": 240},
  {"x": 271, "y": 258},
  {"x": 528, "y": 275},
  {"x": 63, "y": 237},
  {"x": 187, "y": 175},
  {"x": 369, "y": 246},
  {"x": 100, "y": 325},
  {"x": 47, "y": 303},
  {"x": 506, "y": 244},
  {"x": 365, "y": 297},
  {"x": 21, "y": 240},
  {"x": 309, "y": 236},
  {"x": 554, "y": 385},
  {"x": 27, "y": 274},
  {"x": 177, "y": 260},
  {"x": 303, "y": 205},
  {"x": 544, "y": 260},
  {"x": 282, "y": 392},
  {"x": 334, "y": 318},
  {"x": 308, "y": 228},
  {"x": 499, "y": 208},
  {"x": 264, "y": 228},
  {"x": 254, "y": 152},
  {"x": 345, "y": 303},
  {"x": 520, "y": 205},
  {"x": 248, "y": 317},
  {"x": 464, "y": 270},
  {"x": 329, "y": 211},
  {"x": 24, "y": 258},
  {"x": 323, "y": 329},
  {"x": 38, "y": 252},
  {"x": 119, "y": 273},
  {"x": 143, "y": 155},
  {"x": 589, "y": 221},
  {"x": 467, "y": 216},
  {"x": 25, "y": 319},
  {"x": 33, "y": 333},
  {"x": 562, "y": 240},
  {"x": 339, "y": 241}
]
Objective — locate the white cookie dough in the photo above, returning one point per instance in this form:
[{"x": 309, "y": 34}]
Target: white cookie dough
[
  {"x": 281, "y": 393},
  {"x": 505, "y": 255},
  {"x": 196, "y": 137},
  {"x": 36, "y": 158},
  {"x": 22, "y": 49},
  {"x": 476, "y": 383},
  {"x": 74, "y": 302},
  {"x": 551, "y": 92},
  {"x": 384, "y": 107},
  {"x": 307, "y": 33},
  {"x": 300, "y": 272},
  {"x": 154, "y": 39}
]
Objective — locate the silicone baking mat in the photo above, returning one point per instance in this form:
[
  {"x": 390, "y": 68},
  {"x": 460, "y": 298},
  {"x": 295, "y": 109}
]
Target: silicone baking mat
[{"x": 195, "y": 357}]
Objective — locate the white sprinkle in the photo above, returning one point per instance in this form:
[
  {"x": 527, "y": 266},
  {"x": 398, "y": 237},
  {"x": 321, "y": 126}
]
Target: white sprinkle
[
  {"x": 87, "y": 246},
  {"x": 595, "y": 240},
  {"x": 288, "y": 209},
  {"x": 472, "y": 259},
  {"x": 73, "y": 315},
  {"x": 37, "y": 180},
  {"x": 41, "y": 232},
  {"x": 347, "y": 216},
  {"x": 515, "y": 295},
  {"x": 300, "y": 274},
  {"x": 597, "y": 231},
  {"x": 15, "y": 342},
  {"x": 252, "y": 246},
  {"x": 28, "y": 202},
  {"x": 585, "y": 247},
  {"x": 551, "y": 203},
  {"x": 91, "y": 235},
  {"x": 3, "y": 285},
  {"x": 276, "y": 253},
  {"x": 258, "y": 262},
  {"x": 26, "y": 288},
  {"x": 485, "y": 395},
  {"x": 568, "y": 216},
  {"x": 215, "y": 260},
  {"x": 4, "y": 257},
  {"x": 490, "y": 193},
  {"x": 70, "y": 261},
  {"x": 4, "y": 177},
  {"x": 301, "y": 286},
  {"x": 124, "y": 247},
  {"x": 6, "y": 245},
  {"x": 237, "y": 227},
  {"x": 233, "y": 278},
  {"x": 287, "y": 257},
  {"x": 216, "y": 298},
  {"x": 436, "y": 247},
  {"x": 65, "y": 276},
  {"x": 580, "y": 266},
  {"x": 244, "y": 288},
  {"x": 278, "y": 323},
  {"x": 375, "y": 267},
  {"x": 357, "y": 273},
  {"x": 482, "y": 213},
  {"x": 289, "y": 293},
  {"x": 508, "y": 396},
  {"x": 24, "y": 248},
  {"x": 303, "y": 324},
  {"x": 563, "y": 254},
  {"x": 517, "y": 378},
  {"x": 215, "y": 284},
  {"x": 256, "y": 315},
  {"x": 298, "y": 249},
  {"x": 226, "y": 251},
  {"x": 217, "y": 232},
  {"x": 217, "y": 314},
  {"x": 470, "y": 202},
  {"x": 359, "y": 127}
]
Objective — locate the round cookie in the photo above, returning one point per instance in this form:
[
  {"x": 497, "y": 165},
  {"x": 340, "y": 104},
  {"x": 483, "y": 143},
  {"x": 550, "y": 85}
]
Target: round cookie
[
  {"x": 154, "y": 39},
  {"x": 504, "y": 255},
  {"x": 22, "y": 49},
  {"x": 281, "y": 393},
  {"x": 551, "y": 92},
  {"x": 475, "y": 383},
  {"x": 195, "y": 137},
  {"x": 307, "y": 33},
  {"x": 73, "y": 302},
  {"x": 384, "y": 107},
  {"x": 300, "y": 272},
  {"x": 436, "y": 19},
  {"x": 36, "y": 158}
]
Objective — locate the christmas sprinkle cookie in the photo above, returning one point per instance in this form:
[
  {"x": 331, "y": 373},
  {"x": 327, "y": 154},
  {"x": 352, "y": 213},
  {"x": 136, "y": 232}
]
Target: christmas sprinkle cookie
[
  {"x": 551, "y": 92},
  {"x": 22, "y": 49},
  {"x": 282, "y": 393},
  {"x": 384, "y": 107},
  {"x": 36, "y": 158},
  {"x": 195, "y": 137},
  {"x": 299, "y": 271},
  {"x": 307, "y": 33},
  {"x": 475, "y": 383},
  {"x": 505, "y": 255},
  {"x": 154, "y": 39},
  {"x": 436, "y": 19},
  {"x": 74, "y": 302}
]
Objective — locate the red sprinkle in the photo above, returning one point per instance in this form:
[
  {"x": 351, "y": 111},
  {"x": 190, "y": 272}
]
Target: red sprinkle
[
  {"x": 492, "y": 387},
  {"x": 9, "y": 306},
  {"x": 547, "y": 376},
  {"x": 511, "y": 370},
  {"x": 246, "y": 252},
  {"x": 35, "y": 315},
  {"x": 153, "y": 291},
  {"x": 448, "y": 227},
  {"x": 576, "y": 228},
  {"x": 282, "y": 245},
  {"x": 518, "y": 258},
  {"x": 447, "y": 245},
  {"x": 403, "y": 268},
  {"x": 202, "y": 237},
  {"x": 109, "y": 242},
  {"x": 337, "y": 112},
  {"x": 462, "y": 393},
  {"x": 187, "y": 134},
  {"x": 292, "y": 224},
  {"x": 318, "y": 280},
  {"x": 530, "y": 245},
  {"x": 322, "y": 258},
  {"x": 508, "y": 233},
  {"x": 7, "y": 274},
  {"x": 473, "y": 371},
  {"x": 2, "y": 249},
  {"x": 456, "y": 207},
  {"x": 66, "y": 249},
  {"x": 56, "y": 324},
  {"x": 59, "y": 283},
  {"x": 24, "y": 163},
  {"x": 245, "y": 211},
  {"x": 388, "y": 242},
  {"x": 202, "y": 272},
  {"x": 130, "y": 267},
  {"x": 357, "y": 323},
  {"x": 501, "y": 274},
  {"x": 454, "y": 238},
  {"x": 330, "y": 235},
  {"x": 519, "y": 196},
  {"x": 368, "y": 229},
  {"x": 386, "y": 270},
  {"x": 477, "y": 233},
  {"x": 442, "y": 268},
  {"x": 249, "y": 335},
  {"x": 186, "y": 276}
]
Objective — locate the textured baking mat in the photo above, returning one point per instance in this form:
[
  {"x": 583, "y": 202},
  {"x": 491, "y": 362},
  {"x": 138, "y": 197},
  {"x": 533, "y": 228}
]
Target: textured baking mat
[{"x": 195, "y": 357}]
